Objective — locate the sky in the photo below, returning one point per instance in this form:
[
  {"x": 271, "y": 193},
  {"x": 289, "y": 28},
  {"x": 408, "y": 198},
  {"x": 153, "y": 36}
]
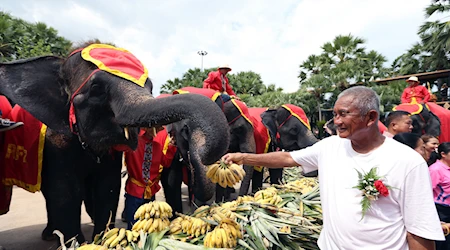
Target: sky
[{"x": 269, "y": 37}]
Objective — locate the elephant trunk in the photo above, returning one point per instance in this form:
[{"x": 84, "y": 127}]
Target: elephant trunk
[{"x": 207, "y": 125}]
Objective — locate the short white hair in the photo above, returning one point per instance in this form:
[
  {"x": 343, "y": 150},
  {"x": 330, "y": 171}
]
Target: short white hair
[{"x": 365, "y": 99}]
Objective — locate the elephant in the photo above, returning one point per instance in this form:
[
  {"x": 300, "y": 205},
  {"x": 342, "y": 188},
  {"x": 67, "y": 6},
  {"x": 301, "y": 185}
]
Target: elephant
[
  {"x": 424, "y": 120},
  {"x": 92, "y": 115}
]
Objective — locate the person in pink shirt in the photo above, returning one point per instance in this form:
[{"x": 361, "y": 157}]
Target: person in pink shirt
[{"x": 440, "y": 182}]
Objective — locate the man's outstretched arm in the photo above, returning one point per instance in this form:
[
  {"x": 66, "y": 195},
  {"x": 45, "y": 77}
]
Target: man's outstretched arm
[{"x": 270, "y": 160}]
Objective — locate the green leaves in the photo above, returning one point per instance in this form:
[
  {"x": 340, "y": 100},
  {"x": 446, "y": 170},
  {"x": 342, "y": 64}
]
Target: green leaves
[{"x": 20, "y": 39}]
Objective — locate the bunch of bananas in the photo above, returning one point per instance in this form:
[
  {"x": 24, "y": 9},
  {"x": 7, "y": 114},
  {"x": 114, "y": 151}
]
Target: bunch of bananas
[
  {"x": 303, "y": 185},
  {"x": 224, "y": 174},
  {"x": 268, "y": 196},
  {"x": 154, "y": 209},
  {"x": 245, "y": 199},
  {"x": 201, "y": 212},
  {"x": 153, "y": 217},
  {"x": 230, "y": 204},
  {"x": 189, "y": 225},
  {"x": 220, "y": 213},
  {"x": 116, "y": 237},
  {"x": 223, "y": 236}
]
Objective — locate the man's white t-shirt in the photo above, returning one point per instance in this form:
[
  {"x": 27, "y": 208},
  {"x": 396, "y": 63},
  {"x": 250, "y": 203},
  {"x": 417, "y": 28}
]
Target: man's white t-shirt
[{"x": 409, "y": 207}]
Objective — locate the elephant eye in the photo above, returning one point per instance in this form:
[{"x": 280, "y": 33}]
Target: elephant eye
[{"x": 96, "y": 90}]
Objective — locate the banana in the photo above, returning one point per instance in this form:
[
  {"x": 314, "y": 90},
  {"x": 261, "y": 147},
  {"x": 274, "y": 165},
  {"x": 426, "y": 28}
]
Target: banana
[
  {"x": 110, "y": 240},
  {"x": 129, "y": 235},
  {"x": 148, "y": 225},
  {"x": 119, "y": 238},
  {"x": 154, "y": 226},
  {"x": 110, "y": 233},
  {"x": 152, "y": 211},
  {"x": 139, "y": 211},
  {"x": 123, "y": 243}
]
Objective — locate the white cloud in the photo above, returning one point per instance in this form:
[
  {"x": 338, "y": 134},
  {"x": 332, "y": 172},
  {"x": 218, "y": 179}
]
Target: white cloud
[{"x": 263, "y": 36}]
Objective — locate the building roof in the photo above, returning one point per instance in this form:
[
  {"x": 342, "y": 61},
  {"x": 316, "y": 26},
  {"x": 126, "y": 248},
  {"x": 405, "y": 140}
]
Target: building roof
[{"x": 445, "y": 73}]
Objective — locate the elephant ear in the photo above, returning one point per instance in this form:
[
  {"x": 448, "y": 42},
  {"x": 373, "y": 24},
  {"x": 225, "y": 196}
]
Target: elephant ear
[
  {"x": 35, "y": 84},
  {"x": 433, "y": 126},
  {"x": 269, "y": 120}
]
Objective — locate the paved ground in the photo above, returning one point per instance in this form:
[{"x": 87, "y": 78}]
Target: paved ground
[{"x": 21, "y": 227}]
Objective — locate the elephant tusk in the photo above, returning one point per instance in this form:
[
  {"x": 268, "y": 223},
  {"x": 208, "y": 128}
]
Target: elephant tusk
[
  {"x": 154, "y": 131},
  {"x": 125, "y": 130}
]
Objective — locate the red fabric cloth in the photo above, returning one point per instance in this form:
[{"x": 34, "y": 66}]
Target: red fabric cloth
[
  {"x": 412, "y": 108},
  {"x": 444, "y": 117},
  {"x": 136, "y": 185},
  {"x": 299, "y": 113},
  {"x": 381, "y": 127},
  {"x": 116, "y": 61},
  {"x": 22, "y": 151},
  {"x": 420, "y": 93},
  {"x": 5, "y": 191},
  {"x": 210, "y": 93},
  {"x": 214, "y": 81},
  {"x": 5, "y": 106}
]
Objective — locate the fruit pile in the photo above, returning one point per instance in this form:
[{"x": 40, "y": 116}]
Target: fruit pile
[
  {"x": 152, "y": 217},
  {"x": 280, "y": 217},
  {"x": 226, "y": 175}
]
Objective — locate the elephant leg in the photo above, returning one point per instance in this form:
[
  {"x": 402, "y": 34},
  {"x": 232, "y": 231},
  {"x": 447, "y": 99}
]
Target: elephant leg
[
  {"x": 220, "y": 193},
  {"x": 88, "y": 196},
  {"x": 276, "y": 175},
  {"x": 47, "y": 233},
  {"x": 62, "y": 190},
  {"x": 257, "y": 181},
  {"x": 171, "y": 180},
  {"x": 107, "y": 192}
]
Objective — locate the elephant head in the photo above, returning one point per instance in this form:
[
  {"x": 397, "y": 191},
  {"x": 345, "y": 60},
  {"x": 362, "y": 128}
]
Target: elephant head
[
  {"x": 241, "y": 137},
  {"x": 424, "y": 121},
  {"x": 291, "y": 125},
  {"x": 103, "y": 105}
]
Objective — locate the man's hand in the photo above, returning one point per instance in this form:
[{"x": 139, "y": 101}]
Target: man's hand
[
  {"x": 237, "y": 158},
  {"x": 235, "y": 97}
]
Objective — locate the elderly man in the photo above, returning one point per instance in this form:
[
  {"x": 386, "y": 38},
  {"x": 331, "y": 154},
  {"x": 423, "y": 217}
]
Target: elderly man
[
  {"x": 218, "y": 81},
  {"x": 415, "y": 93},
  {"x": 398, "y": 122},
  {"x": 403, "y": 219}
]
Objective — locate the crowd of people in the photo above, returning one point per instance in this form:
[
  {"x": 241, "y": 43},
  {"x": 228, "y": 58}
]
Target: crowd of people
[{"x": 415, "y": 214}]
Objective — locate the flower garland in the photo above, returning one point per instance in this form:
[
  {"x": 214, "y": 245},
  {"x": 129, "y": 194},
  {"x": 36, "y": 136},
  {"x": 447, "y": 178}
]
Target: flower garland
[{"x": 372, "y": 186}]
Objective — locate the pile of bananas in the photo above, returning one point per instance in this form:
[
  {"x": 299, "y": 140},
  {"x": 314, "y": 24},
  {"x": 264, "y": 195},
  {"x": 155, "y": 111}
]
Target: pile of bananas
[
  {"x": 114, "y": 238},
  {"x": 245, "y": 199},
  {"x": 268, "y": 196},
  {"x": 303, "y": 185},
  {"x": 153, "y": 217},
  {"x": 224, "y": 174},
  {"x": 189, "y": 225},
  {"x": 224, "y": 236},
  {"x": 221, "y": 213},
  {"x": 201, "y": 212}
]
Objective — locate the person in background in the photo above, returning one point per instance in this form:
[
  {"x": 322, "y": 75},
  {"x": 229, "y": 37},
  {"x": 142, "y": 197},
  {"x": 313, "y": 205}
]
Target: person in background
[
  {"x": 413, "y": 141},
  {"x": 144, "y": 166},
  {"x": 218, "y": 81},
  {"x": 415, "y": 93},
  {"x": 440, "y": 181},
  {"x": 406, "y": 219},
  {"x": 431, "y": 146},
  {"x": 398, "y": 122}
]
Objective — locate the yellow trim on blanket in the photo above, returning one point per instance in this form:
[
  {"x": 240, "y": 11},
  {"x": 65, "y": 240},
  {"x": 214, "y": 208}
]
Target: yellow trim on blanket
[
  {"x": 240, "y": 110},
  {"x": 294, "y": 114},
  {"x": 86, "y": 56}
]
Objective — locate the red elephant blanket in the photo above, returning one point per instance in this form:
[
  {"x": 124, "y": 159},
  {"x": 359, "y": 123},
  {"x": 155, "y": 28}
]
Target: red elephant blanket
[
  {"x": 22, "y": 152},
  {"x": 211, "y": 94},
  {"x": 260, "y": 132}
]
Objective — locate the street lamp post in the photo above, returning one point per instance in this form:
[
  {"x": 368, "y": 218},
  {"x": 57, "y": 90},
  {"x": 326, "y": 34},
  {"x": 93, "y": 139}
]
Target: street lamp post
[{"x": 202, "y": 53}]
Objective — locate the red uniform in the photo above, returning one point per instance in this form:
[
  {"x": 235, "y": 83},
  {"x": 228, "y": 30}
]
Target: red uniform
[
  {"x": 146, "y": 164},
  {"x": 418, "y": 93},
  {"x": 215, "y": 82}
]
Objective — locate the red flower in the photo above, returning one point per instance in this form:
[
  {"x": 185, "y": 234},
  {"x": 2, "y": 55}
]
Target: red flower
[{"x": 381, "y": 188}]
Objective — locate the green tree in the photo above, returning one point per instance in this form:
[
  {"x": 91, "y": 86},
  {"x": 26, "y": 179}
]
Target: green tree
[
  {"x": 20, "y": 39},
  {"x": 432, "y": 52}
]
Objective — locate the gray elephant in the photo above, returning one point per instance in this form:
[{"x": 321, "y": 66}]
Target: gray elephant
[{"x": 106, "y": 110}]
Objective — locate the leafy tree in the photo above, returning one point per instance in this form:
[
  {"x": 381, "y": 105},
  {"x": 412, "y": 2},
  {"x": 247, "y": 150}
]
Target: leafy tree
[
  {"x": 20, "y": 39},
  {"x": 432, "y": 52}
]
